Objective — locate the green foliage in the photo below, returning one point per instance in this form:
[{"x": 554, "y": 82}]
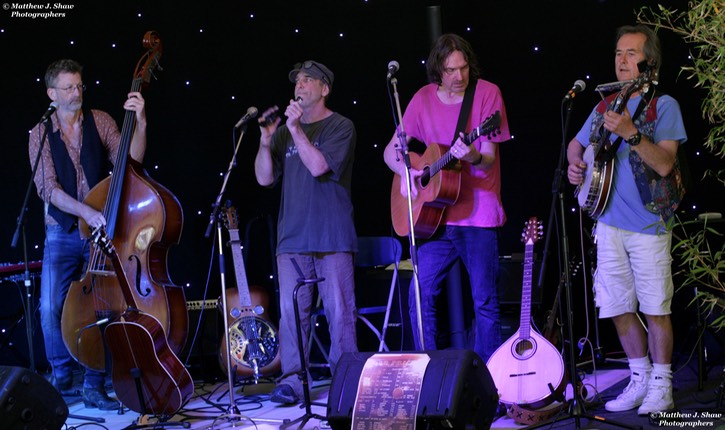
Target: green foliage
[
  {"x": 702, "y": 27},
  {"x": 702, "y": 266}
]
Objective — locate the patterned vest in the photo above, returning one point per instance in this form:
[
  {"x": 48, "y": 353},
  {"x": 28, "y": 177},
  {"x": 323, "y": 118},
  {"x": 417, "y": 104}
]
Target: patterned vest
[
  {"x": 93, "y": 160},
  {"x": 660, "y": 195}
]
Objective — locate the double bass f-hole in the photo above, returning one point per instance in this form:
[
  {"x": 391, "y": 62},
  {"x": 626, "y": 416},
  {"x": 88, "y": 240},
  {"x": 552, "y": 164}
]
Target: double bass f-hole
[{"x": 139, "y": 290}]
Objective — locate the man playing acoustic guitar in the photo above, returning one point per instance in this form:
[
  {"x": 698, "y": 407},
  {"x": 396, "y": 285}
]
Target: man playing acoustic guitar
[
  {"x": 469, "y": 224},
  {"x": 633, "y": 247}
]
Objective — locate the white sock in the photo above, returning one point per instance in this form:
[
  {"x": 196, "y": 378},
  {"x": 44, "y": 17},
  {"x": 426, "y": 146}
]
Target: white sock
[
  {"x": 640, "y": 368},
  {"x": 661, "y": 373}
]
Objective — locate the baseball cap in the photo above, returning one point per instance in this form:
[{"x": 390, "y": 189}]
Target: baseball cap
[{"x": 314, "y": 69}]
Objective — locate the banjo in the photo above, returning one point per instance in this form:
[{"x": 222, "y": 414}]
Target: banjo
[{"x": 593, "y": 193}]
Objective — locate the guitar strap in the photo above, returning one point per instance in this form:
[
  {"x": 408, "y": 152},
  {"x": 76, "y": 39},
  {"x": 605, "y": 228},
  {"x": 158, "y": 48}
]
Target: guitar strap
[
  {"x": 465, "y": 110},
  {"x": 643, "y": 102}
]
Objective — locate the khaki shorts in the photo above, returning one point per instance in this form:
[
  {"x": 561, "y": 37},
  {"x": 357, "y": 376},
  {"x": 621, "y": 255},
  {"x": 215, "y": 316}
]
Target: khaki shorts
[{"x": 634, "y": 272}]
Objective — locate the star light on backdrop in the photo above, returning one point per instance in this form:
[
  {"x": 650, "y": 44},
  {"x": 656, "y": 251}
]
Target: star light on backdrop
[{"x": 238, "y": 55}]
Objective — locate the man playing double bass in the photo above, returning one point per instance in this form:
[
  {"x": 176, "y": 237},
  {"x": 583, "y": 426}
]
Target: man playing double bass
[{"x": 80, "y": 145}]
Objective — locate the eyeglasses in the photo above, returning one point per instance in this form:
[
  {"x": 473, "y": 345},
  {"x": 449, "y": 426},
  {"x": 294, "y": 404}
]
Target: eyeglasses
[
  {"x": 310, "y": 64},
  {"x": 69, "y": 90}
]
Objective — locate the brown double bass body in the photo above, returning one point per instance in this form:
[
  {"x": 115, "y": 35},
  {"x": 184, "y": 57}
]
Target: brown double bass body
[{"x": 143, "y": 219}]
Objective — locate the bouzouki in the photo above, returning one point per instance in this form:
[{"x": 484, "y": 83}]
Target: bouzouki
[
  {"x": 593, "y": 193},
  {"x": 438, "y": 186},
  {"x": 253, "y": 340},
  {"x": 147, "y": 376},
  {"x": 527, "y": 370}
]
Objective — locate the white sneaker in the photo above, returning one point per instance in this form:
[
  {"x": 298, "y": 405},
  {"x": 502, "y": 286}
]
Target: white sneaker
[
  {"x": 658, "y": 399},
  {"x": 632, "y": 396}
]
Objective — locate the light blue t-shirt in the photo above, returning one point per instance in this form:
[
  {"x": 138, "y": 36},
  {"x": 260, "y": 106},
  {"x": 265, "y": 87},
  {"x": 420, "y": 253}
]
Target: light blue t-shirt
[{"x": 625, "y": 209}]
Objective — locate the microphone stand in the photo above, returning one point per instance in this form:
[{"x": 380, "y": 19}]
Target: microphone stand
[
  {"x": 232, "y": 415},
  {"x": 402, "y": 148},
  {"x": 576, "y": 408},
  {"x": 28, "y": 305}
]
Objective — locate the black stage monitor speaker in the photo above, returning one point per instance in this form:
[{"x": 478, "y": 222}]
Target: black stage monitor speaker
[
  {"x": 29, "y": 402},
  {"x": 457, "y": 391}
]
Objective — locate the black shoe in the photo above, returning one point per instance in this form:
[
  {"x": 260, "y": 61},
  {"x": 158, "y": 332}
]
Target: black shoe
[
  {"x": 97, "y": 398},
  {"x": 283, "y": 393}
]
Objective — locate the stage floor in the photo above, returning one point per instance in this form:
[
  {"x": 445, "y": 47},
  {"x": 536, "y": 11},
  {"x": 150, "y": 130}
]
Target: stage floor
[{"x": 207, "y": 408}]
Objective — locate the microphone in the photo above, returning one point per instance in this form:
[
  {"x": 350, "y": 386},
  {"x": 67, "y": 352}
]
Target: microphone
[
  {"x": 269, "y": 119},
  {"x": 251, "y": 113},
  {"x": 393, "y": 67},
  {"x": 577, "y": 88},
  {"x": 53, "y": 106}
]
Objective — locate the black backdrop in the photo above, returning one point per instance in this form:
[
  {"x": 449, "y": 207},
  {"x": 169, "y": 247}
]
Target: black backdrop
[{"x": 221, "y": 57}]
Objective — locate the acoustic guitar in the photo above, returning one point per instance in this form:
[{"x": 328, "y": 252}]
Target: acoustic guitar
[
  {"x": 147, "y": 376},
  {"x": 438, "y": 186},
  {"x": 253, "y": 340},
  {"x": 527, "y": 369}
]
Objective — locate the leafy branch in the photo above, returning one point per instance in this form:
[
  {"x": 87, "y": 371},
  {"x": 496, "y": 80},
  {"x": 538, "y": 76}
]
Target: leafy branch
[{"x": 702, "y": 27}]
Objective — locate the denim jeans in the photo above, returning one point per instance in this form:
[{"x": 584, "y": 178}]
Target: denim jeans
[
  {"x": 338, "y": 296},
  {"x": 64, "y": 260},
  {"x": 478, "y": 249}
]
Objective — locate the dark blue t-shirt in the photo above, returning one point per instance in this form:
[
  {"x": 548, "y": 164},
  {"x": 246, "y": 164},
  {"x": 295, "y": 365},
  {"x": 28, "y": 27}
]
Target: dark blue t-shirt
[{"x": 316, "y": 214}]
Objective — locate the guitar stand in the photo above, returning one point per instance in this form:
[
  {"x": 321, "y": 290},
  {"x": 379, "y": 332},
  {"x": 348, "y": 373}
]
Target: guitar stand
[
  {"x": 576, "y": 410},
  {"x": 141, "y": 421},
  {"x": 303, "y": 374}
]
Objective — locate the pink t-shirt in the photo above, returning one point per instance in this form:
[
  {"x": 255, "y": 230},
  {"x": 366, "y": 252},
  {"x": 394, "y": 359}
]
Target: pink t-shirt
[{"x": 429, "y": 120}]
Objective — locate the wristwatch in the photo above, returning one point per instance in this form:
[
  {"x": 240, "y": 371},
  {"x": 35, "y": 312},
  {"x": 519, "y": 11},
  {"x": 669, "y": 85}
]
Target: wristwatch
[{"x": 635, "y": 139}]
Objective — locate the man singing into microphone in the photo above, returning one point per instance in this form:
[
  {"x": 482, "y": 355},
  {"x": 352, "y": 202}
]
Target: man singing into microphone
[
  {"x": 80, "y": 145},
  {"x": 469, "y": 228},
  {"x": 312, "y": 155}
]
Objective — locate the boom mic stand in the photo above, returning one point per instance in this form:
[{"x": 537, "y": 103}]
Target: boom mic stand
[
  {"x": 28, "y": 305},
  {"x": 232, "y": 414},
  {"x": 402, "y": 148},
  {"x": 576, "y": 410}
]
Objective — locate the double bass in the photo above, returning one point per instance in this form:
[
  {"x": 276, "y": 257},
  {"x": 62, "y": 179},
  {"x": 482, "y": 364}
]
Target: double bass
[{"x": 143, "y": 219}]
